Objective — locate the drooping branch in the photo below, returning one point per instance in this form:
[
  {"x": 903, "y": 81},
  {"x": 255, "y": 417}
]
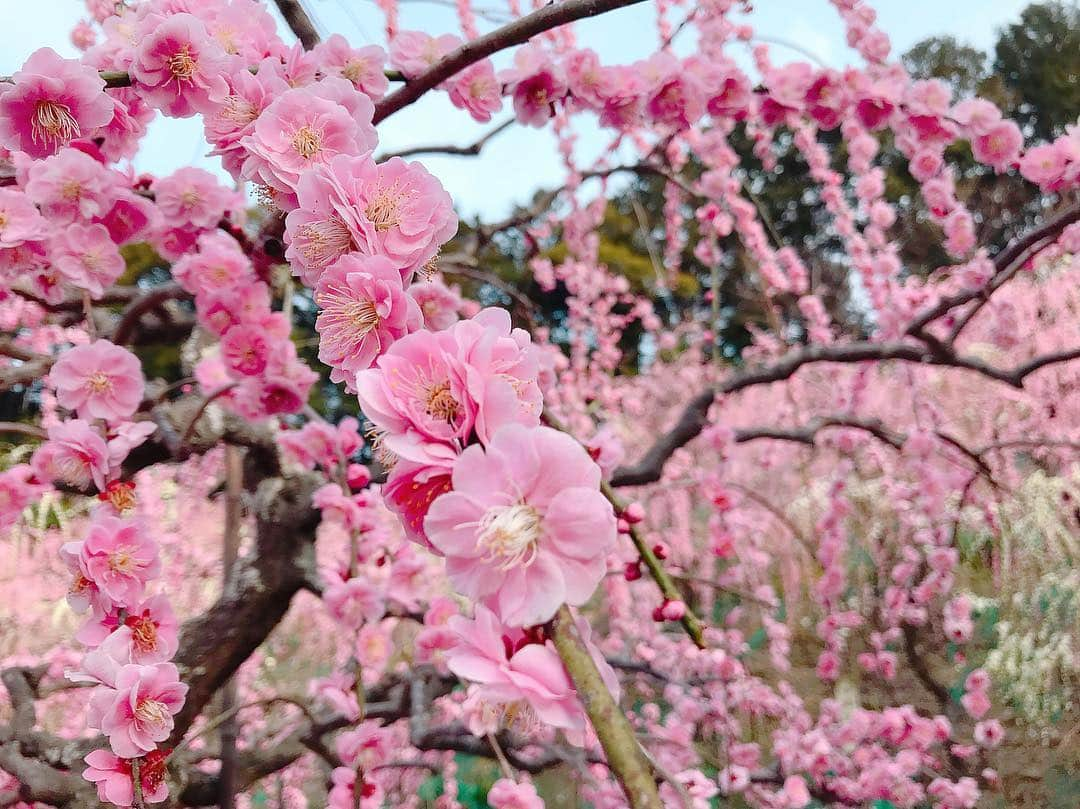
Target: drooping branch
[
  {"x": 668, "y": 588},
  {"x": 694, "y": 416},
  {"x": 1005, "y": 264},
  {"x": 514, "y": 33},
  {"x": 666, "y": 584}
]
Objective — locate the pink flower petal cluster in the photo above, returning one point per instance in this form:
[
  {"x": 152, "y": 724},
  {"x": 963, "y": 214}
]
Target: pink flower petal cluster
[
  {"x": 394, "y": 209},
  {"x": 525, "y": 527},
  {"x": 51, "y": 102},
  {"x": 179, "y": 68},
  {"x": 361, "y": 66},
  {"x": 507, "y": 794},
  {"x": 114, "y": 777},
  {"x": 118, "y": 558},
  {"x": 193, "y": 198},
  {"x": 517, "y": 670},
  {"x": 98, "y": 381},
  {"x": 136, "y": 712},
  {"x": 364, "y": 310},
  {"x": 304, "y": 128}
]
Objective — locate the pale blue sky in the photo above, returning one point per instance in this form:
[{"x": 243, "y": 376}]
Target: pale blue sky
[{"x": 520, "y": 160}]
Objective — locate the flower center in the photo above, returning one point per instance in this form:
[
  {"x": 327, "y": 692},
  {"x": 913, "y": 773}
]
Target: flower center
[
  {"x": 362, "y": 316},
  {"x": 307, "y": 142},
  {"x": 120, "y": 495},
  {"x": 440, "y": 403},
  {"x": 383, "y": 211},
  {"x": 152, "y": 712},
  {"x": 190, "y": 198},
  {"x": 53, "y": 121},
  {"x": 98, "y": 382},
  {"x": 239, "y": 110},
  {"x": 354, "y": 71},
  {"x": 72, "y": 468},
  {"x": 92, "y": 260},
  {"x": 509, "y": 535},
  {"x": 341, "y": 309},
  {"x": 71, "y": 190},
  {"x": 80, "y": 584},
  {"x": 267, "y": 197},
  {"x": 431, "y": 266},
  {"x": 122, "y": 561},
  {"x": 144, "y": 633},
  {"x": 153, "y": 770},
  {"x": 325, "y": 241},
  {"x": 182, "y": 65}
]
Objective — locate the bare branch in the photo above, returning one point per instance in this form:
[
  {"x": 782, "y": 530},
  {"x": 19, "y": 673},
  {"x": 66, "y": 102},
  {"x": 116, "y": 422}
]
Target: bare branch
[
  {"x": 146, "y": 302},
  {"x": 471, "y": 150},
  {"x": 625, "y": 757},
  {"x": 299, "y": 22}
]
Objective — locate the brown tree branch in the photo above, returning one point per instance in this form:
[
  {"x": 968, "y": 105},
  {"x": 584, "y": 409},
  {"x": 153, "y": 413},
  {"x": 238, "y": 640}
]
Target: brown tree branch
[
  {"x": 299, "y": 22},
  {"x": 215, "y": 644},
  {"x": 471, "y": 150},
  {"x": 513, "y": 33},
  {"x": 695, "y": 414},
  {"x": 146, "y": 302},
  {"x": 1004, "y": 268}
]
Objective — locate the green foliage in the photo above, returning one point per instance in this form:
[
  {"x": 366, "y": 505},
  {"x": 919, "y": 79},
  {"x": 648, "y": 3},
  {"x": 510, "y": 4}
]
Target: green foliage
[
  {"x": 944, "y": 57},
  {"x": 1039, "y": 60}
]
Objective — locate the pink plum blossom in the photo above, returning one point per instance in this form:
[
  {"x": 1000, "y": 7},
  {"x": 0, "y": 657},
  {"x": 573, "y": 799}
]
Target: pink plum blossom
[
  {"x": 148, "y": 634},
  {"x": 999, "y": 146},
  {"x": 525, "y": 527},
  {"x": 74, "y": 454},
  {"x": 507, "y": 794},
  {"x": 140, "y": 714},
  {"x": 98, "y": 381},
  {"x": 50, "y": 102},
  {"x": 69, "y": 185},
  {"x": 438, "y": 303},
  {"x": 193, "y": 197},
  {"x": 245, "y": 350},
  {"x": 989, "y": 734},
  {"x": 477, "y": 90},
  {"x": 536, "y": 83},
  {"x": 364, "y": 310},
  {"x": 301, "y": 130},
  {"x": 87, "y": 257},
  {"x": 179, "y": 68},
  {"x": 361, "y": 66},
  {"x": 513, "y": 668},
  {"x": 119, "y": 558},
  {"x": 20, "y": 221},
  {"x": 413, "y": 52},
  {"x": 114, "y": 777}
]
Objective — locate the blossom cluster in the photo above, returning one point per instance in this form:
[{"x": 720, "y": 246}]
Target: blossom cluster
[
  {"x": 503, "y": 510},
  {"x": 130, "y": 633}
]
